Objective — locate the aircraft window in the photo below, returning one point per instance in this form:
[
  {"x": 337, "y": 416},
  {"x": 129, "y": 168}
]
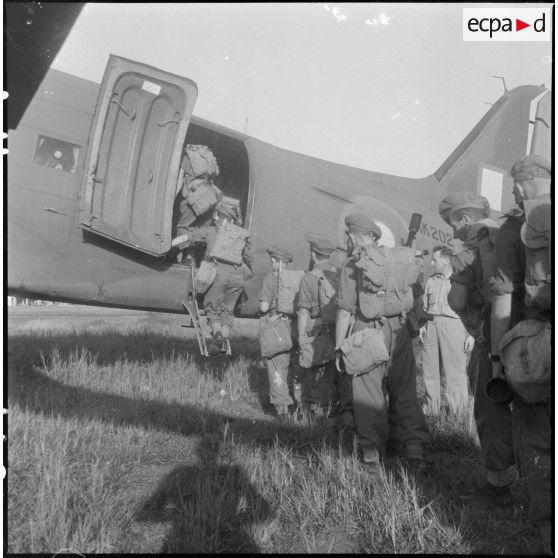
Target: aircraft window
[
  {"x": 491, "y": 187},
  {"x": 57, "y": 154}
]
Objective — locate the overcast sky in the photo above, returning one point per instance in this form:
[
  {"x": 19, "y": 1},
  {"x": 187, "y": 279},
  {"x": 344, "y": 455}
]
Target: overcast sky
[{"x": 386, "y": 87}]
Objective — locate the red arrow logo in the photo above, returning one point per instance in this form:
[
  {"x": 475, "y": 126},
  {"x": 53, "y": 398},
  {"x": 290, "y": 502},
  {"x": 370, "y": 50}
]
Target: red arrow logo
[{"x": 519, "y": 25}]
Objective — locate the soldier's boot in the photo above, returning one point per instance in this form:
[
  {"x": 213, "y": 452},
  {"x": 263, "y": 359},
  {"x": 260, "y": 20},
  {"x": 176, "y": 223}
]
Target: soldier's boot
[
  {"x": 370, "y": 456},
  {"x": 491, "y": 495},
  {"x": 216, "y": 345}
]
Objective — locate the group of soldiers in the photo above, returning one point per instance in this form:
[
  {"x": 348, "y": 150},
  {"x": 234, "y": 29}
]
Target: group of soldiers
[{"x": 337, "y": 341}]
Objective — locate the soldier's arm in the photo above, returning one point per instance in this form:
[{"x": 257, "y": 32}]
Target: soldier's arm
[
  {"x": 500, "y": 320},
  {"x": 507, "y": 278},
  {"x": 342, "y": 324},
  {"x": 266, "y": 295}
]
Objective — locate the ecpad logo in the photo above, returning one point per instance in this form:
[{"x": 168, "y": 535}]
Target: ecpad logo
[{"x": 507, "y": 24}]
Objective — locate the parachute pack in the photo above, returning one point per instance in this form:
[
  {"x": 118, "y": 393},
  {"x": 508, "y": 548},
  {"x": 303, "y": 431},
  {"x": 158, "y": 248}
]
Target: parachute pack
[
  {"x": 229, "y": 244},
  {"x": 384, "y": 280},
  {"x": 536, "y": 235}
]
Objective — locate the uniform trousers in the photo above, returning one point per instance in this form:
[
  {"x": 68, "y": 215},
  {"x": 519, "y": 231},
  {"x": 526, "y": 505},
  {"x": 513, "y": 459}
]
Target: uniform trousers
[
  {"x": 283, "y": 371},
  {"x": 397, "y": 380},
  {"x": 443, "y": 348},
  {"x": 318, "y": 386},
  {"x": 494, "y": 424},
  {"x": 220, "y": 299}
]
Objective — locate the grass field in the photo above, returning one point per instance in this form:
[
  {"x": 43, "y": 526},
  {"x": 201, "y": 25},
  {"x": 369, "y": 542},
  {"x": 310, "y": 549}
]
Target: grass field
[{"x": 122, "y": 439}]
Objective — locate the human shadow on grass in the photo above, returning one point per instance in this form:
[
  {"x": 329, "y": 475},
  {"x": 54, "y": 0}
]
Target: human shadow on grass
[
  {"x": 33, "y": 390},
  {"x": 211, "y": 505}
]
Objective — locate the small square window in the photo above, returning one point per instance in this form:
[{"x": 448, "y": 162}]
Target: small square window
[{"x": 57, "y": 154}]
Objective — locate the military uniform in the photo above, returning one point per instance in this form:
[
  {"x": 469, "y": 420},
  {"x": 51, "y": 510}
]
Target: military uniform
[
  {"x": 318, "y": 384},
  {"x": 493, "y": 421},
  {"x": 532, "y": 423},
  {"x": 366, "y": 399},
  {"x": 283, "y": 370},
  {"x": 443, "y": 348},
  {"x": 473, "y": 266},
  {"x": 220, "y": 299}
]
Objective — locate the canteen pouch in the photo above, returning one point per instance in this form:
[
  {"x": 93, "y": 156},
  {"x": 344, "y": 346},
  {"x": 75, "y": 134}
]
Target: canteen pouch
[
  {"x": 364, "y": 350},
  {"x": 205, "y": 276},
  {"x": 201, "y": 196},
  {"x": 317, "y": 349},
  {"x": 526, "y": 355},
  {"x": 275, "y": 337}
]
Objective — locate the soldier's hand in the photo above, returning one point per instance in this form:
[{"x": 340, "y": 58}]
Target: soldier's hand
[
  {"x": 422, "y": 332},
  {"x": 338, "y": 361},
  {"x": 469, "y": 343}
]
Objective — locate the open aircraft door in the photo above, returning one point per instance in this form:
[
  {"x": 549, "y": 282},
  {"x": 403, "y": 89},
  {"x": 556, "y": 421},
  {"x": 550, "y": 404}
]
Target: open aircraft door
[{"x": 133, "y": 155}]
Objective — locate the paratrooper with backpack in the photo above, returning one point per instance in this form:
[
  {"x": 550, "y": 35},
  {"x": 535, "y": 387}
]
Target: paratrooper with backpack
[
  {"x": 226, "y": 266},
  {"x": 278, "y": 331},
  {"x": 521, "y": 327},
  {"x": 469, "y": 216},
  {"x": 316, "y": 329},
  {"x": 375, "y": 294},
  {"x": 197, "y": 194}
]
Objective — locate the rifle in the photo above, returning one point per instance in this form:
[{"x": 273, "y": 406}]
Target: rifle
[
  {"x": 415, "y": 317},
  {"x": 414, "y": 226}
]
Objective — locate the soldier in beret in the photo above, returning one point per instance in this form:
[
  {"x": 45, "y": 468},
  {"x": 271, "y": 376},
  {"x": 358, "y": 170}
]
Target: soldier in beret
[
  {"x": 468, "y": 214},
  {"x": 277, "y": 301},
  {"x": 360, "y": 302},
  {"x": 532, "y": 423},
  {"x": 316, "y": 328}
]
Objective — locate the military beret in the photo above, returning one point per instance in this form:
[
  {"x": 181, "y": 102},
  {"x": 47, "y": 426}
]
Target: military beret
[
  {"x": 280, "y": 253},
  {"x": 361, "y": 223},
  {"x": 461, "y": 200},
  {"x": 531, "y": 166},
  {"x": 320, "y": 244}
]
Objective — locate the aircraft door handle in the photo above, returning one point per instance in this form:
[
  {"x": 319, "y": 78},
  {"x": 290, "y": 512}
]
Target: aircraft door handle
[
  {"x": 176, "y": 120},
  {"x": 150, "y": 179},
  {"x": 130, "y": 116}
]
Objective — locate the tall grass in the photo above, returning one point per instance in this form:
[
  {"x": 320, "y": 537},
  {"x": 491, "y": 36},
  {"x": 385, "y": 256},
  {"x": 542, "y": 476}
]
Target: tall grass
[{"x": 125, "y": 440}]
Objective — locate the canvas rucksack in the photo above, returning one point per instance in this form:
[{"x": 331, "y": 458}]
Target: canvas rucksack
[
  {"x": 536, "y": 235},
  {"x": 385, "y": 278},
  {"x": 229, "y": 244},
  {"x": 526, "y": 354},
  {"x": 201, "y": 195},
  {"x": 200, "y": 161}
]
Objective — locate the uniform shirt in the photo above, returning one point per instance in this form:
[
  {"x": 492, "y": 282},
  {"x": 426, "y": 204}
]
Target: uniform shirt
[
  {"x": 436, "y": 296},
  {"x": 269, "y": 291}
]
